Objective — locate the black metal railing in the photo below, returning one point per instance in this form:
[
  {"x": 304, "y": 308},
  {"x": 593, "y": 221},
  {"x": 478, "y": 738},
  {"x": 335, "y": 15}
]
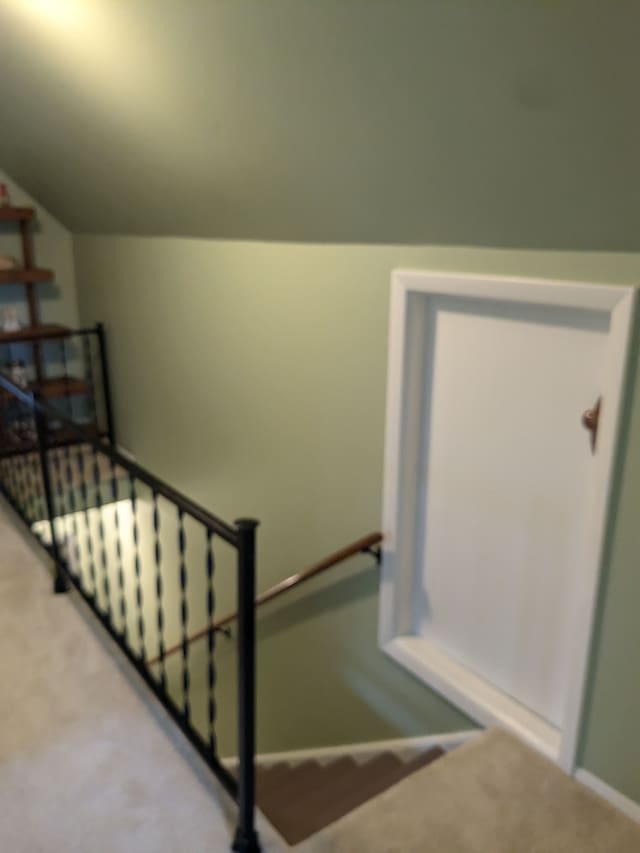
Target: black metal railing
[{"x": 144, "y": 557}]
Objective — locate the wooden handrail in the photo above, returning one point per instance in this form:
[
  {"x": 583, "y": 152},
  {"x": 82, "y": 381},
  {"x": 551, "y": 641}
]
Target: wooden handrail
[{"x": 363, "y": 545}]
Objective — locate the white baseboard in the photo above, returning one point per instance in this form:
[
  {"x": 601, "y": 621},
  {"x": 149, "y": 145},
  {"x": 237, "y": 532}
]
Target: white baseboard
[
  {"x": 615, "y": 798},
  {"x": 405, "y": 748}
]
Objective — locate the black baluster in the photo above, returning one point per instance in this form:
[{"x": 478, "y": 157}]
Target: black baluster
[
  {"x": 61, "y": 582},
  {"x": 246, "y": 839},
  {"x": 20, "y": 483},
  {"x": 119, "y": 567},
  {"x": 3, "y": 474},
  {"x": 29, "y": 488},
  {"x": 87, "y": 521},
  {"x": 36, "y": 473},
  {"x": 27, "y": 485},
  {"x": 184, "y": 617},
  {"x": 7, "y": 476},
  {"x": 106, "y": 587},
  {"x": 13, "y": 480},
  {"x": 159, "y": 590},
  {"x": 33, "y": 480},
  {"x": 34, "y": 486},
  {"x": 61, "y": 508},
  {"x": 68, "y": 408},
  {"x": 211, "y": 644},
  {"x": 26, "y": 489},
  {"x": 72, "y": 511},
  {"x": 106, "y": 385},
  {"x": 136, "y": 562},
  {"x": 86, "y": 341},
  {"x": 21, "y": 474}
]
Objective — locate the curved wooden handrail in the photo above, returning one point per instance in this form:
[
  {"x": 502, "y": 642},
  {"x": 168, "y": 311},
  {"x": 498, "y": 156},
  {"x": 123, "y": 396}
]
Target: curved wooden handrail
[{"x": 360, "y": 546}]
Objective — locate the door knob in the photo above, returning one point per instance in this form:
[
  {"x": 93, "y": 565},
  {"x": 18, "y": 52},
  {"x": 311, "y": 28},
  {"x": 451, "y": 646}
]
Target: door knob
[{"x": 590, "y": 421}]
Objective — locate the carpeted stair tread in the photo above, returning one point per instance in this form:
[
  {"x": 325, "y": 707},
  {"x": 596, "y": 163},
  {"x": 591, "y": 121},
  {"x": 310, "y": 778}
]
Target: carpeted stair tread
[{"x": 323, "y": 794}]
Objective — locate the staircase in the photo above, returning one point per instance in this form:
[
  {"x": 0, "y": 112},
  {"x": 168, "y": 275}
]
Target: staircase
[{"x": 300, "y": 800}]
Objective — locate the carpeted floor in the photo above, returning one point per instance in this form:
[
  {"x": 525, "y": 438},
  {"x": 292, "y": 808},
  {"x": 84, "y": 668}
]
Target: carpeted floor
[
  {"x": 493, "y": 795},
  {"x": 89, "y": 761}
]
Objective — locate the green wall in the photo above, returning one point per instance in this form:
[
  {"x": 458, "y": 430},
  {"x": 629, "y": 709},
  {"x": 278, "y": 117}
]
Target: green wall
[{"x": 253, "y": 377}]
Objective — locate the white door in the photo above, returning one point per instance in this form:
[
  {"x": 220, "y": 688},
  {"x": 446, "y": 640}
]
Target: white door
[{"x": 495, "y": 498}]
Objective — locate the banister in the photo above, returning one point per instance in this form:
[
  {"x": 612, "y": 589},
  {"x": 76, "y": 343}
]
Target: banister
[
  {"x": 37, "y": 479},
  {"x": 365, "y": 544}
]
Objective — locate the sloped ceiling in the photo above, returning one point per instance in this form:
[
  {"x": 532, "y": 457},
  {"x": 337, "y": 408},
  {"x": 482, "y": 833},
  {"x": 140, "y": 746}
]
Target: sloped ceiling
[{"x": 479, "y": 122}]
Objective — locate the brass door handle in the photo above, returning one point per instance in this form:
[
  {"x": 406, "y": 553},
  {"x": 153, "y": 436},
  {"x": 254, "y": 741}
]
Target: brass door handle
[{"x": 590, "y": 421}]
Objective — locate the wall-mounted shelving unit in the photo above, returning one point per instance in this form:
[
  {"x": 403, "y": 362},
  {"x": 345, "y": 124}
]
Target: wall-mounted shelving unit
[
  {"x": 35, "y": 332},
  {"x": 54, "y": 378}
]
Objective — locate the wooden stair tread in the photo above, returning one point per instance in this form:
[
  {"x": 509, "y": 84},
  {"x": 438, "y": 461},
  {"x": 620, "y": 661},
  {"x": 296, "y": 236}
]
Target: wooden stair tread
[
  {"x": 271, "y": 778},
  {"x": 316, "y": 780},
  {"x": 302, "y": 800},
  {"x": 297, "y": 780},
  {"x": 22, "y": 275},
  {"x": 332, "y": 797}
]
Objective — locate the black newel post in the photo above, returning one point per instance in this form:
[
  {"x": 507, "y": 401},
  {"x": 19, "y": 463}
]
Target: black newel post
[
  {"x": 61, "y": 582},
  {"x": 106, "y": 384},
  {"x": 246, "y": 839}
]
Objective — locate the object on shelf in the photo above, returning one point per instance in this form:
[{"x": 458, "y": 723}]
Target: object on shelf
[
  {"x": 8, "y": 263},
  {"x": 25, "y": 429},
  {"x": 17, "y": 373},
  {"x": 10, "y": 321},
  {"x": 5, "y": 199}
]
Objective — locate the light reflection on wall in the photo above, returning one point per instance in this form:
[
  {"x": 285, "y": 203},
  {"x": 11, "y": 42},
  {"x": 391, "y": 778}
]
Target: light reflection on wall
[
  {"x": 102, "y": 555},
  {"x": 94, "y": 563},
  {"x": 59, "y": 13},
  {"x": 116, "y": 74}
]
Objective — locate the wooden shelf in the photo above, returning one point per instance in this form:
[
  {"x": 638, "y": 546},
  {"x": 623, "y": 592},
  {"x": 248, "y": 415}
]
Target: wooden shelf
[
  {"x": 60, "y": 387},
  {"x": 25, "y": 276},
  {"x": 34, "y": 333},
  {"x": 53, "y": 387},
  {"x": 16, "y": 214}
]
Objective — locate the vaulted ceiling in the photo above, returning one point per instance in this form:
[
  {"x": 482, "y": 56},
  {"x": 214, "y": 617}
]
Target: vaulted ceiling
[{"x": 479, "y": 122}]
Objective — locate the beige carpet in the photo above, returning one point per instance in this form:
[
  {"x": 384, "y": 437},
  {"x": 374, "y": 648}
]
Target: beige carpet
[
  {"x": 89, "y": 761},
  {"x": 493, "y": 795}
]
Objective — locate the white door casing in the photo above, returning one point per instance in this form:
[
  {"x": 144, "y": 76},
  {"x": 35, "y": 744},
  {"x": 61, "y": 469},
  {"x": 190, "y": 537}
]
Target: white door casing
[{"x": 494, "y": 506}]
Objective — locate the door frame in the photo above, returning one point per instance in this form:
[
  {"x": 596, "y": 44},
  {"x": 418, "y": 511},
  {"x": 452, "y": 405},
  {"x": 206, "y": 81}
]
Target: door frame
[{"x": 403, "y": 442}]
